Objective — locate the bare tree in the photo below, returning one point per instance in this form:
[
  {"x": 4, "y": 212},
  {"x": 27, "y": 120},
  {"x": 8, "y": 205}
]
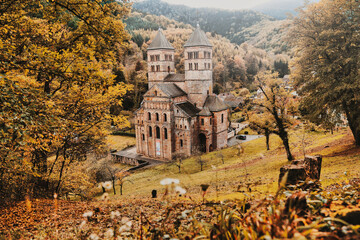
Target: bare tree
[
  {"x": 201, "y": 162},
  {"x": 220, "y": 155},
  {"x": 178, "y": 161},
  {"x": 121, "y": 175}
]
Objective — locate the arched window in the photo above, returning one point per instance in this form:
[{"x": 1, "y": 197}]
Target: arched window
[
  {"x": 157, "y": 117},
  {"x": 165, "y": 133},
  {"x": 150, "y": 131},
  {"x": 143, "y": 137},
  {"x": 168, "y": 69},
  {"x": 181, "y": 143},
  {"x": 157, "y": 132},
  {"x": 202, "y": 121},
  {"x": 149, "y": 116},
  {"x": 155, "y": 93},
  {"x": 165, "y": 117},
  {"x": 222, "y": 118}
]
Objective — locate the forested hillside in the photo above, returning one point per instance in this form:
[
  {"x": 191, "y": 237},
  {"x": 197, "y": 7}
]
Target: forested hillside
[
  {"x": 234, "y": 65},
  {"x": 267, "y": 35},
  {"x": 234, "y": 25}
]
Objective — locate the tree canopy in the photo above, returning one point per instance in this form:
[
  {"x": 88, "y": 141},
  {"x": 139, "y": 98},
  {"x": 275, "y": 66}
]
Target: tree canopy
[
  {"x": 271, "y": 111},
  {"x": 57, "y": 83},
  {"x": 326, "y": 66}
]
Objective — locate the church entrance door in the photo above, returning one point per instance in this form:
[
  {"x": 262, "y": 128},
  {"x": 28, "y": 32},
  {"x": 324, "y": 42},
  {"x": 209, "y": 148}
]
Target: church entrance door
[{"x": 202, "y": 142}]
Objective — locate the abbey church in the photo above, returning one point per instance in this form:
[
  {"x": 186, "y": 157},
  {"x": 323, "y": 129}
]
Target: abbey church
[{"x": 180, "y": 115}]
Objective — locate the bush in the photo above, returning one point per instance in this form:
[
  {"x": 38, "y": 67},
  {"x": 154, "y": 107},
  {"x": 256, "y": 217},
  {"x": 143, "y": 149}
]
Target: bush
[
  {"x": 241, "y": 119},
  {"x": 123, "y": 133}
]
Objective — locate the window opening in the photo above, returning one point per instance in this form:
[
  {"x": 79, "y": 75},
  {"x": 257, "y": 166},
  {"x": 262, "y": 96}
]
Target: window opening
[
  {"x": 165, "y": 133},
  {"x": 157, "y": 132}
]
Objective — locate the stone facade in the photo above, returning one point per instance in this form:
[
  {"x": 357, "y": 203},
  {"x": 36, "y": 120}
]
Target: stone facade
[{"x": 180, "y": 115}]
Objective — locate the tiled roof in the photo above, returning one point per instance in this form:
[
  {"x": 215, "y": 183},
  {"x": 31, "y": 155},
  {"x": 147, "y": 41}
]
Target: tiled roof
[
  {"x": 175, "y": 78},
  {"x": 188, "y": 108},
  {"x": 205, "y": 112},
  {"x": 171, "y": 89},
  {"x": 215, "y": 104},
  {"x": 198, "y": 38},
  {"x": 160, "y": 42}
]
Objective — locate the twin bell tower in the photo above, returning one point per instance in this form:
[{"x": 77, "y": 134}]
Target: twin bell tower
[{"x": 197, "y": 81}]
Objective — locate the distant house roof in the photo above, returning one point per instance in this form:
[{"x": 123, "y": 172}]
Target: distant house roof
[
  {"x": 175, "y": 78},
  {"x": 205, "y": 112},
  {"x": 160, "y": 42},
  {"x": 198, "y": 38},
  {"x": 188, "y": 108},
  {"x": 232, "y": 104},
  {"x": 215, "y": 104},
  {"x": 171, "y": 89},
  {"x": 230, "y": 100}
]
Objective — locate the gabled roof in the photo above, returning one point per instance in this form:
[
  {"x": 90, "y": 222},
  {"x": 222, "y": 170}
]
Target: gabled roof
[
  {"x": 188, "y": 108},
  {"x": 214, "y": 104},
  {"x": 175, "y": 78},
  {"x": 160, "y": 42},
  {"x": 205, "y": 112},
  {"x": 198, "y": 38},
  {"x": 171, "y": 89}
]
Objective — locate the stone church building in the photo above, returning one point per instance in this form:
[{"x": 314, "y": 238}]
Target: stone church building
[{"x": 180, "y": 115}]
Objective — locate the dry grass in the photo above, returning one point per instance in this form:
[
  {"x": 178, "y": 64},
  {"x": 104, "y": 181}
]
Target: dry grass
[
  {"x": 255, "y": 167},
  {"x": 120, "y": 142}
]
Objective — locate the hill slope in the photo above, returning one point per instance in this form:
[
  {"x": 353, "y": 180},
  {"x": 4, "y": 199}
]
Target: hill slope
[
  {"x": 231, "y": 62},
  {"x": 230, "y": 24}
]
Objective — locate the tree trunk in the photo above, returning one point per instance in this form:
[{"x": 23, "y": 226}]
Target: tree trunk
[
  {"x": 282, "y": 133},
  {"x": 121, "y": 188},
  {"x": 267, "y": 135},
  {"x": 353, "y": 117},
  {"x": 284, "y": 138},
  {"x": 60, "y": 177},
  {"x": 113, "y": 181}
]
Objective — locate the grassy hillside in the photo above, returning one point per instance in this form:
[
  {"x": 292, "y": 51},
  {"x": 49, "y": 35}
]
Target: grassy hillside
[{"x": 256, "y": 167}]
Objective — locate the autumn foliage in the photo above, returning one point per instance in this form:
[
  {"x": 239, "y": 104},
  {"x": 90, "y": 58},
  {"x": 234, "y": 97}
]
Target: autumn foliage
[{"x": 57, "y": 86}]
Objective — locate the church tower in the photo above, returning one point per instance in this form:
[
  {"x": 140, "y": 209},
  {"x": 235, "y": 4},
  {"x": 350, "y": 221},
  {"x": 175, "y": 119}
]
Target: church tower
[
  {"x": 198, "y": 67},
  {"x": 160, "y": 57}
]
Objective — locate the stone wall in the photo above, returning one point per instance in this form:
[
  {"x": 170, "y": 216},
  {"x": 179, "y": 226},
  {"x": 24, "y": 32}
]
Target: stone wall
[
  {"x": 152, "y": 145},
  {"x": 221, "y": 123},
  {"x": 301, "y": 170},
  {"x": 158, "y": 76},
  {"x": 199, "y": 82}
]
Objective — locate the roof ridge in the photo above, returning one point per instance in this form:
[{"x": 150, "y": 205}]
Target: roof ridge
[
  {"x": 160, "y": 42},
  {"x": 198, "y": 38}
]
